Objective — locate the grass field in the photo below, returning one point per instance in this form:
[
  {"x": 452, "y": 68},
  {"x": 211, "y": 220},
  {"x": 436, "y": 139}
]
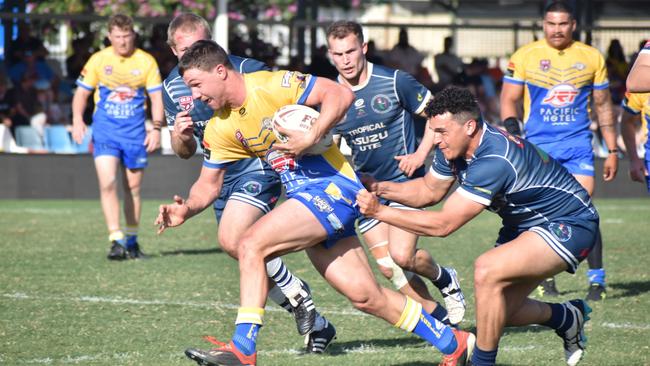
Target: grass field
[{"x": 62, "y": 302}]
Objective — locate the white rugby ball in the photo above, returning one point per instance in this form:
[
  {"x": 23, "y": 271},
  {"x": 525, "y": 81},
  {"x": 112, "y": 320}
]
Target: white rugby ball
[{"x": 300, "y": 118}]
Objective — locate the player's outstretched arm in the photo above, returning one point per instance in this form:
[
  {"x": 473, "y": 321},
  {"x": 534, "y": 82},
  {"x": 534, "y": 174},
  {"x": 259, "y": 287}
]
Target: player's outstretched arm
[
  {"x": 456, "y": 211},
  {"x": 204, "y": 191},
  {"x": 421, "y": 192},
  {"x": 638, "y": 80}
]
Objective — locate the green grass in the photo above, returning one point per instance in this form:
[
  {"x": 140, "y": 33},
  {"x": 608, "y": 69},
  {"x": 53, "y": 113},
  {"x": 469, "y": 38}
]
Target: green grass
[{"x": 62, "y": 302}]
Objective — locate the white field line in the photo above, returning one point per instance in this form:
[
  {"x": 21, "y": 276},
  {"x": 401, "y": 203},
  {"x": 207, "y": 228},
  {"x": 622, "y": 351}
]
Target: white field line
[
  {"x": 197, "y": 304},
  {"x": 228, "y": 306},
  {"x": 360, "y": 350}
]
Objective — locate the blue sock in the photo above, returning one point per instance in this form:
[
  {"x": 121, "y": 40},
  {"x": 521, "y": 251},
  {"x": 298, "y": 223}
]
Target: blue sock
[
  {"x": 440, "y": 313},
  {"x": 245, "y": 337},
  {"x": 436, "y": 333},
  {"x": 484, "y": 358},
  {"x": 596, "y": 276},
  {"x": 444, "y": 279},
  {"x": 131, "y": 240},
  {"x": 561, "y": 319}
]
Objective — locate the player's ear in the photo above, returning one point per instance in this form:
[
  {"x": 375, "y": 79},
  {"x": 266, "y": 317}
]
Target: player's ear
[{"x": 470, "y": 127}]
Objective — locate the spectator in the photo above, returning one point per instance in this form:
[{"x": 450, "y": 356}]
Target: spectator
[
  {"x": 321, "y": 65},
  {"x": 448, "y": 65},
  {"x": 373, "y": 55},
  {"x": 31, "y": 65},
  {"x": 617, "y": 71},
  {"x": 24, "y": 103},
  {"x": 81, "y": 52},
  {"x": 404, "y": 56},
  {"x": 5, "y": 102}
]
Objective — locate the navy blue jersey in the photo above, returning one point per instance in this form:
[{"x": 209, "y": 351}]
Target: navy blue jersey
[
  {"x": 518, "y": 181},
  {"x": 379, "y": 124},
  {"x": 177, "y": 97}
]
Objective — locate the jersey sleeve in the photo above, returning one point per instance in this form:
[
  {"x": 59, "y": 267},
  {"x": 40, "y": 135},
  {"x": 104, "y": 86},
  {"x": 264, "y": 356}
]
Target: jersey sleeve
[
  {"x": 252, "y": 65},
  {"x": 484, "y": 179},
  {"x": 89, "y": 78},
  {"x": 153, "y": 82},
  {"x": 291, "y": 87},
  {"x": 170, "y": 108},
  {"x": 440, "y": 168},
  {"x": 515, "y": 72},
  {"x": 633, "y": 102},
  {"x": 413, "y": 96},
  {"x": 600, "y": 77}
]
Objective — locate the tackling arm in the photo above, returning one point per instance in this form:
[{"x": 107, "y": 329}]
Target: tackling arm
[
  {"x": 456, "y": 211},
  {"x": 421, "y": 192}
]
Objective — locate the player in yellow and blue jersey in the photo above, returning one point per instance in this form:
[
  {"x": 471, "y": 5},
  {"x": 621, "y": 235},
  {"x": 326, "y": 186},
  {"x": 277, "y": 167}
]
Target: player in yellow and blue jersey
[
  {"x": 377, "y": 127},
  {"x": 636, "y": 107},
  {"x": 638, "y": 80},
  {"x": 250, "y": 187},
  {"x": 122, "y": 76},
  {"x": 558, "y": 77},
  {"x": 549, "y": 224},
  {"x": 319, "y": 214}
]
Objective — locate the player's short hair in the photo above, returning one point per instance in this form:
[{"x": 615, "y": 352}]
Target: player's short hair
[
  {"x": 187, "y": 22},
  {"x": 458, "y": 101},
  {"x": 203, "y": 55},
  {"x": 558, "y": 6},
  {"x": 343, "y": 28},
  {"x": 120, "y": 21}
]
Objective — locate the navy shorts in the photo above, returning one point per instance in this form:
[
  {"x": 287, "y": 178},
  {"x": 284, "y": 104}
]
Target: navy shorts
[
  {"x": 258, "y": 190},
  {"x": 571, "y": 239},
  {"x": 132, "y": 156},
  {"x": 334, "y": 207}
]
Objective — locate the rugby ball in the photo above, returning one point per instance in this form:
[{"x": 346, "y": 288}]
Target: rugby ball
[{"x": 300, "y": 118}]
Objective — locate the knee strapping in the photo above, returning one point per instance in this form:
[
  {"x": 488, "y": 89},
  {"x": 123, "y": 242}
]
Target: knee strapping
[{"x": 399, "y": 277}]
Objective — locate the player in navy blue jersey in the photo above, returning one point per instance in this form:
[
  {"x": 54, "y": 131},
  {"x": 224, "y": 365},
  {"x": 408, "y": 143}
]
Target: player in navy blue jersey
[
  {"x": 549, "y": 222},
  {"x": 250, "y": 189},
  {"x": 377, "y": 127}
]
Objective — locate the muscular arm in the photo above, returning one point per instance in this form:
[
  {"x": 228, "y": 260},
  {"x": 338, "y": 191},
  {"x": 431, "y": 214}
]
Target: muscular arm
[
  {"x": 334, "y": 100},
  {"x": 510, "y": 95},
  {"x": 182, "y": 135},
  {"x": 421, "y": 192},
  {"x": 638, "y": 80},
  {"x": 456, "y": 211},
  {"x": 205, "y": 190},
  {"x": 603, "y": 105}
]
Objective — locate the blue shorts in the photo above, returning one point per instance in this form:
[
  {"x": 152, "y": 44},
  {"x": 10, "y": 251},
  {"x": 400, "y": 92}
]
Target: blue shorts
[
  {"x": 577, "y": 160},
  {"x": 647, "y": 166},
  {"x": 132, "y": 156},
  {"x": 366, "y": 224},
  {"x": 571, "y": 239},
  {"x": 258, "y": 190},
  {"x": 334, "y": 207}
]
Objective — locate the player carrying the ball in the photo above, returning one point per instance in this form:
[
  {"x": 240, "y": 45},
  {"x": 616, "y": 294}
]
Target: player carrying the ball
[{"x": 318, "y": 215}]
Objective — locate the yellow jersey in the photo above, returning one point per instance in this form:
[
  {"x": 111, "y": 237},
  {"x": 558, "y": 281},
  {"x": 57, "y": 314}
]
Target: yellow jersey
[{"x": 639, "y": 103}]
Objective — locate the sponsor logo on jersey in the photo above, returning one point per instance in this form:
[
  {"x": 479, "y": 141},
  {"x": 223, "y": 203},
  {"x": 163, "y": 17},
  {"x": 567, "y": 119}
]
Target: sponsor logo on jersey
[
  {"x": 186, "y": 102},
  {"x": 286, "y": 79},
  {"x": 252, "y": 188},
  {"x": 280, "y": 162},
  {"x": 335, "y": 193},
  {"x": 240, "y": 137},
  {"x": 321, "y": 204},
  {"x": 561, "y": 231},
  {"x": 122, "y": 94},
  {"x": 359, "y": 103},
  {"x": 108, "y": 70},
  {"x": 561, "y": 95},
  {"x": 544, "y": 65},
  {"x": 579, "y": 66},
  {"x": 380, "y": 103},
  {"x": 206, "y": 151}
]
